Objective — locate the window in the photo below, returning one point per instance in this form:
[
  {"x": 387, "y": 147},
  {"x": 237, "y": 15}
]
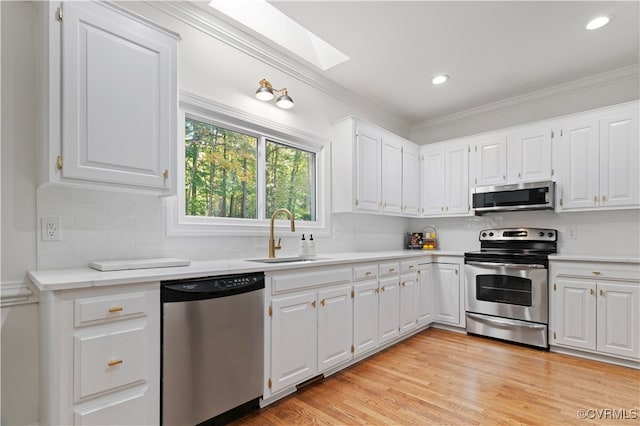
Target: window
[
  {"x": 220, "y": 172},
  {"x": 235, "y": 175},
  {"x": 290, "y": 180}
]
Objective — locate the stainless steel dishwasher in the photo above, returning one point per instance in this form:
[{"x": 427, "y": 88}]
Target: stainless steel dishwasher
[{"x": 212, "y": 348}]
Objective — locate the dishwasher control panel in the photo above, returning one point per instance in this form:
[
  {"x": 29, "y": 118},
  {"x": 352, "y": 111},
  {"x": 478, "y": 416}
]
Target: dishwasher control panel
[{"x": 189, "y": 289}]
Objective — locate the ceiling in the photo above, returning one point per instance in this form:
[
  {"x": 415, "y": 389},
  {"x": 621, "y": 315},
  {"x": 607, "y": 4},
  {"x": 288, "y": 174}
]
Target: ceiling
[{"x": 492, "y": 50}]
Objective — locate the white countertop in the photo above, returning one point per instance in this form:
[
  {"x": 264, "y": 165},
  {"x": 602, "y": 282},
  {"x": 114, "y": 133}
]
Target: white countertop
[{"x": 65, "y": 279}]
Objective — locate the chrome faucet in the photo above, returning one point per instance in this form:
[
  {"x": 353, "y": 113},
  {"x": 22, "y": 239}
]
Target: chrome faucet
[{"x": 272, "y": 242}]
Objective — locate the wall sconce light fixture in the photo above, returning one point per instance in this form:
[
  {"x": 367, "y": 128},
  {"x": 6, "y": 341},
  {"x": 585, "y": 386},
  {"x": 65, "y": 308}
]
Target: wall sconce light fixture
[{"x": 266, "y": 92}]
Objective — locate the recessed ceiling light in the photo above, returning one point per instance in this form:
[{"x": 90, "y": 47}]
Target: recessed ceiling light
[
  {"x": 439, "y": 79},
  {"x": 598, "y": 22}
]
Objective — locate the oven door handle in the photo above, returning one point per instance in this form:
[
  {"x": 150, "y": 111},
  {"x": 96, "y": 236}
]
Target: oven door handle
[
  {"x": 504, "y": 323},
  {"x": 506, "y": 265}
]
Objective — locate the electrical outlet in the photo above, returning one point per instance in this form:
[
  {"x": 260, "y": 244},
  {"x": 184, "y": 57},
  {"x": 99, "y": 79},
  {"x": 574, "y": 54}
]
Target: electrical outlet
[
  {"x": 51, "y": 229},
  {"x": 572, "y": 233}
]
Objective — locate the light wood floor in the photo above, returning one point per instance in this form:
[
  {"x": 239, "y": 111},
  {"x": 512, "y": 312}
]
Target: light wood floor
[{"x": 442, "y": 377}]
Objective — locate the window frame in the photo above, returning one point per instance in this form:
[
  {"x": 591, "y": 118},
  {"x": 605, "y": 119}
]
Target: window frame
[{"x": 206, "y": 111}]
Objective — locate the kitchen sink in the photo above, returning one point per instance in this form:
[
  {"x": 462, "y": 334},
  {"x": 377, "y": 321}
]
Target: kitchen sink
[{"x": 286, "y": 259}]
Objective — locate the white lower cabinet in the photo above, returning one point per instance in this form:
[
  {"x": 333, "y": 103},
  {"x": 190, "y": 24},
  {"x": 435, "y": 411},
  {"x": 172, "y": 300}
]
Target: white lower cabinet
[
  {"x": 335, "y": 325},
  {"x": 365, "y": 316},
  {"x": 595, "y": 307},
  {"x": 100, "y": 352},
  {"x": 425, "y": 294},
  {"x": 408, "y": 302},
  {"x": 293, "y": 339},
  {"x": 319, "y": 319},
  {"x": 447, "y": 293},
  {"x": 389, "y": 320}
]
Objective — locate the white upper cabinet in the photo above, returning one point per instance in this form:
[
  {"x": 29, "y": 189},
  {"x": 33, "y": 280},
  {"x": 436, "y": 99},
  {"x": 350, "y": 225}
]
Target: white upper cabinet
[
  {"x": 368, "y": 171},
  {"x": 113, "y": 76},
  {"x": 529, "y": 154},
  {"x": 410, "y": 179},
  {"x": 445, "y": 178},
  {"x": 372, "y": 170},
  {"x": 490, "y": 162},
  {"x": 600, "y": 160},
  {"x": 391, "y": 174}
]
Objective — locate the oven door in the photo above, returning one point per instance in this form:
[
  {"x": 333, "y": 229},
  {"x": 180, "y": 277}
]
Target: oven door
[{"x": 508, "y": 290}]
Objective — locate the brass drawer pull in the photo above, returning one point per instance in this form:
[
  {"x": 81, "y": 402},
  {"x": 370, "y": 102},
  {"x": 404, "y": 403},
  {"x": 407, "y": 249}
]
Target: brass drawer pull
[
  {"x": 116, "y": 309},
  {"x": 596, "y": 272},
  {"x": 114, "y": 362},
  {"x": 368, "y": 273}
]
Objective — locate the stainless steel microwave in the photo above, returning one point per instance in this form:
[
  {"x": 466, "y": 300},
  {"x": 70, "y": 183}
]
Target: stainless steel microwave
[{"x": 521, "y": 196}]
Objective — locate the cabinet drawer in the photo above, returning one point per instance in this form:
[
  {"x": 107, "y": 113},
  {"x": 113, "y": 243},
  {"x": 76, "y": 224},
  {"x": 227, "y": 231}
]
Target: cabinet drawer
[
  {"x": 389, "y": 268},
  {"x": 93, "y": 310},
  {"x": 408, "y": 266},
  {"x": 365, "y": 272},
  {"x": 597, "y": 270},
  {"x": 128, "y": 410},
  {"x": 109, "y": 360},
  {"x": 312, "y": 277}
]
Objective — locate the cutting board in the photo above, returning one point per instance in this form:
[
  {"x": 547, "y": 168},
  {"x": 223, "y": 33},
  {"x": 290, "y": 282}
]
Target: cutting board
[{"x": 121, "y": 265}]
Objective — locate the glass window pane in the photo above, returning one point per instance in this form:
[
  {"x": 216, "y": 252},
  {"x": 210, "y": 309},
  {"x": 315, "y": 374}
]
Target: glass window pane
[
  {"x": 290, "y": 181},
  {"x": 220, "y": 171}
]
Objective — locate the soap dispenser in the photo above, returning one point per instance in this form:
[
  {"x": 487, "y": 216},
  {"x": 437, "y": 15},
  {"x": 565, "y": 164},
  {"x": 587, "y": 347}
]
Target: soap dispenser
[
  {"x": 311, "y": 246},
  {"x": 304, "y": 247}
]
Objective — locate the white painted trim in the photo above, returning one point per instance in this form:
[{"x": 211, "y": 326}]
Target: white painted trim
[
  {"x": 17, "y": 293},
  {"x": 631, "y": 72},
  {"x": 213, "y": 26}
]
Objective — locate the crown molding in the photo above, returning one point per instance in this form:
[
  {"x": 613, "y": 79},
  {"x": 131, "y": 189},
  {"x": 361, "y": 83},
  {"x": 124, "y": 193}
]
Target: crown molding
[
  {"x": 213, "y": 26},
  {"x": 549, "y": 93}
]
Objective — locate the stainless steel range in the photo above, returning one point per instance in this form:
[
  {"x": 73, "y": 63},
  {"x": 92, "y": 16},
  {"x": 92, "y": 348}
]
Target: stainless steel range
[{"x": 507, "y": 285}]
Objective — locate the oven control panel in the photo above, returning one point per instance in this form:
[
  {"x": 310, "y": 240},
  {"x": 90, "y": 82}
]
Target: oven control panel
[{"x": 519, "y": 234}]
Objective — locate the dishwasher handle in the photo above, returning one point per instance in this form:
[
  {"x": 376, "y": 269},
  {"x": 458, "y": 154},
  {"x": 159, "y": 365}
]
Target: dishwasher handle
[{"x": 193, "y": 289}]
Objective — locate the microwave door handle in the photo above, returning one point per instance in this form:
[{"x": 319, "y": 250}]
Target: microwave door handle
[{"x": 506, "y": 265}]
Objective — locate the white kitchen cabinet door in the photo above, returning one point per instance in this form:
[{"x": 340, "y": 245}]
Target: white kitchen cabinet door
[
  {"x": 619, "y": 154},
  {"x": 425, "y": 294},
  {"x": 618, "y": 324},
  {"x": 490, "y": 160},
  {"x": 575, "y": 316},
  {"x": 447, "y": 293},
  {"x": 456, "y": 181},
  {"x": 408, "y": 302},
  {"x": 335, "y": 326},
  {"x": 389, "y": 309},
  {"x": 391, "y": 178},
  {"x": 580, "y": 163},
  {"x": 119, "y": 98},
  {"x": 433, "y": 197},
  {"x": 365, "y": 316},
  {"x": 529, "y": 151},
  {"x": 293, "y": 340},
  {"x": 368, "y": 193},
  {"x": 410, "y": 179}
]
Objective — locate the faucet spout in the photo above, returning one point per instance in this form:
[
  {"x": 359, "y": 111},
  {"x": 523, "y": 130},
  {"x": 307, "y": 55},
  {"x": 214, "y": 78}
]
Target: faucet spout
[{"x": 272, "y": 242}]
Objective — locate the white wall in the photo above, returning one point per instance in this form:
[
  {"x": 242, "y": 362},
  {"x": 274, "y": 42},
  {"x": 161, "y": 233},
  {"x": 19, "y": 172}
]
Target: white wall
[{"x": 19, "y": 323}]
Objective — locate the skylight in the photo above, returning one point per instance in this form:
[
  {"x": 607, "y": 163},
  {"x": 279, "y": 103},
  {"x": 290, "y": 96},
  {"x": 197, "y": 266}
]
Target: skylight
[{"x": 266, "y": 20}]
